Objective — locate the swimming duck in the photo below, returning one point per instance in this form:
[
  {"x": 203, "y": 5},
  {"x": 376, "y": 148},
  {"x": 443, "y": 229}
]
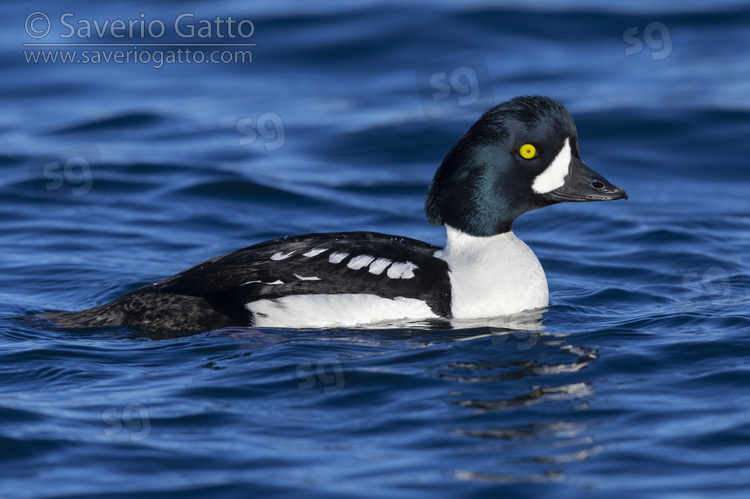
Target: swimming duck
[{"x": 519, "y": 156}]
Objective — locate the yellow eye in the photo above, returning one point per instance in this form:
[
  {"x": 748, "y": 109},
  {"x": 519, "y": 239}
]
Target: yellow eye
[{"x": 527, "y": 151}]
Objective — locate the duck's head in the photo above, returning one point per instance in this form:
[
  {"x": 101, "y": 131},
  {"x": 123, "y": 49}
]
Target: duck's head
[{"x": 519, "y": 156}]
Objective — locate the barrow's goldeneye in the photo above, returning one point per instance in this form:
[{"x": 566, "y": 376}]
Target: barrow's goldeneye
[{"x": 519, "y": 156}]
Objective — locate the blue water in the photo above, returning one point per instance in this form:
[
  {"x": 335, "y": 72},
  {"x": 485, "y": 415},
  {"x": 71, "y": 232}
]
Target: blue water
[{"x": 634, "y": 383}]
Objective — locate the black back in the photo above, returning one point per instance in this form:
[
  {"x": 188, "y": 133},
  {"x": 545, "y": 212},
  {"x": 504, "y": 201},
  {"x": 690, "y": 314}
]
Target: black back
[{"x": 229, "y": 280}]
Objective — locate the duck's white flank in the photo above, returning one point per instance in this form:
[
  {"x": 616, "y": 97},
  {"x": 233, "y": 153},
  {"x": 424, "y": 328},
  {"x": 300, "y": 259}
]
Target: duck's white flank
[
  {"x": 492, "y": 276},
  {"x": 335, "y": 310}
]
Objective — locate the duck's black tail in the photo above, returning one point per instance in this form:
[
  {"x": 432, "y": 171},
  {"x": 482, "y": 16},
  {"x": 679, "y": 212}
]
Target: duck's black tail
[{"x": 149, "y": 309}]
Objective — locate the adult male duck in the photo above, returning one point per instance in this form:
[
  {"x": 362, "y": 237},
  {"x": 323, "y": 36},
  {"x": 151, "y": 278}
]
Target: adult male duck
[{"x": 519, "y": 156}]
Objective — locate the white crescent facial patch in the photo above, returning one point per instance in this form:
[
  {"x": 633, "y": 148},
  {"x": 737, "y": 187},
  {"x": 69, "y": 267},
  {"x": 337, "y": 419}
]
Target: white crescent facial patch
[{"x": 553, "y": 177}]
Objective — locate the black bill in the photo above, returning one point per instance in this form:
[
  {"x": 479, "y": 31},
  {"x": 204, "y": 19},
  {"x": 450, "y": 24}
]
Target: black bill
[{"x": 584, "y": 184}]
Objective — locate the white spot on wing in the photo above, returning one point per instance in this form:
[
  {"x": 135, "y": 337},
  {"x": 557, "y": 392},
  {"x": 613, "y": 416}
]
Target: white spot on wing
[
  {"x": 360, "y": 261},
  {"x": 378, "y": 266},
  {"x": 553, "y": 177},
  {"x": 402, "y": 270},
  {"x": 337, "y": 256},
  {"x": 249, "y": 282},
  {"x": 279, "y": 255},
  {"x": 275, "y": 282},
  {"x": 303, "y": 278},
  {"x": 314, "y": 252}
]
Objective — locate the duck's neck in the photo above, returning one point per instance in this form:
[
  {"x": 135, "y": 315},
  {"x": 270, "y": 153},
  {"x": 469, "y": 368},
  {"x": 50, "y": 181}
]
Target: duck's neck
[{"x": 459, "y": 243}]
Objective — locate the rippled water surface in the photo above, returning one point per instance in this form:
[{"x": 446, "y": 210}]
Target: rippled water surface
[{"x": 634, "y": 383}]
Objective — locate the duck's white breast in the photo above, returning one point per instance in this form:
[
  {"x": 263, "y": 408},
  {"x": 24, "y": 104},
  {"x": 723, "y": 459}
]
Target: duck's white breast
[{"x": 492, "y": 276}]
